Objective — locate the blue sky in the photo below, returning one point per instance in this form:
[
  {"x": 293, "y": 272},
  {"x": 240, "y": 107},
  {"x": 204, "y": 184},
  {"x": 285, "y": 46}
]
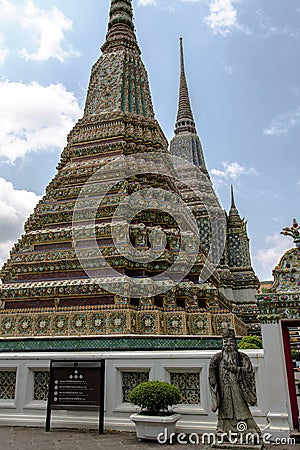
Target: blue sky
[{"x": 243, "y": 69}]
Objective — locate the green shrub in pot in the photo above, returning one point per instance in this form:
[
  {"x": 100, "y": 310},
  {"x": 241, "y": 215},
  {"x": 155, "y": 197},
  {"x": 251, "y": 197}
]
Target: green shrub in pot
[{"x": 155, "y": 397}]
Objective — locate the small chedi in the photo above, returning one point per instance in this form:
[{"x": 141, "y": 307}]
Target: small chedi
[
  {"x": 57, "y": 284},
  {"x": 232, "y": 386},
  {"x": 282, "y": 299}
]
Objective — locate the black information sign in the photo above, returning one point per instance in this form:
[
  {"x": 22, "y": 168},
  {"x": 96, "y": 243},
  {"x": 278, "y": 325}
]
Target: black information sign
[{"x": 77, "y": 385}]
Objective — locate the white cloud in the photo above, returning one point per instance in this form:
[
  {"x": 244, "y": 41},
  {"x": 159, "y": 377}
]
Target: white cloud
[
  {"x": 161, "y": 4},
  {"x": 45, "y": 28},
  {"x": 228, "y": 69},
  {"x": 7, "y": 9},
  {"x": 146, "y": 2},
  {"x": 270, "y": 30},
  {"x": 34, "y": 118},
  {"x": 5, "y": 248},
  {"x": 223, "y": 18},
  {"x": 230, "y": 171},
  {"x": 282, "y": 123},
  {"x": 48, "y": 28},
  {"x": 3, "y": 50},
  {"x": 265, "y": 259},
  {"x": 15, "y": 207}
]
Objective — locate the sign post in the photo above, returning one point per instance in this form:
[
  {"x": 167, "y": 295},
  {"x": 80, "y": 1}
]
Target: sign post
[{"x": 76, "y": 385}]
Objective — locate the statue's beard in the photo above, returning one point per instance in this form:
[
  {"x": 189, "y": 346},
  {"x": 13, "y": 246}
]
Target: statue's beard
[
  {"x": 230, "y": 355},
  {"x": 229, "y": 348}
]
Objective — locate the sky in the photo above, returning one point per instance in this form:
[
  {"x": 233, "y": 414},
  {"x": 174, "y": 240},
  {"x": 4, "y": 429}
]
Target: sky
[{"x": 243, "y": 69}]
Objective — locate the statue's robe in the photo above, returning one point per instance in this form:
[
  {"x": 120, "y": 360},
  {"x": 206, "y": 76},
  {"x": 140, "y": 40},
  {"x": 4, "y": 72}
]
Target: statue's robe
[{"x": 232, "y": 392}]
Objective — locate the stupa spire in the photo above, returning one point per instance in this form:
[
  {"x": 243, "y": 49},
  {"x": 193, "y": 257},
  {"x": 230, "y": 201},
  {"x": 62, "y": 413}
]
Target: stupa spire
[
  {"x": 121, "y": 32},
  {"x": 185, "y": 120},
  {"x": 232, "y": 198},
  {"x": 233, "y": 213}
]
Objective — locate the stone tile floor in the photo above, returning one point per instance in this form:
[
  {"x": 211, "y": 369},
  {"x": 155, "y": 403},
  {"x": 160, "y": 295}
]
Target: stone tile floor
[{"x": 19, "y": 438}]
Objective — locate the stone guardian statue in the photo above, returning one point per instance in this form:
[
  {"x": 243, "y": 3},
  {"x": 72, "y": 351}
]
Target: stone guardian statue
[{"x": 232, "y": 386}]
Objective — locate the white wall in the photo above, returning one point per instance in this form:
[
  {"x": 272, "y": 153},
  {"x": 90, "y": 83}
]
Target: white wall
[
  {"x": 276, "y": 388},
  {"x": 23, "y": 410}
]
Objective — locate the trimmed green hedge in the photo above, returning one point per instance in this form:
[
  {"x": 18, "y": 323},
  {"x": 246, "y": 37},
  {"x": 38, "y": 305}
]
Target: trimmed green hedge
[{"x": 248, "y": 342}]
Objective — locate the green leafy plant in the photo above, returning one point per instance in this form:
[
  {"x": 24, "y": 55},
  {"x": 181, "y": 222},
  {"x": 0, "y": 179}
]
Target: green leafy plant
[
  {"x": 294, "y": 353},
  {"x": 249, "y": 342},
  {"x": 155, "y": 397}
]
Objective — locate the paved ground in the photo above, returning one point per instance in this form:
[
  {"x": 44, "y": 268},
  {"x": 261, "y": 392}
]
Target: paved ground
[{"x": 18, "y": 438}]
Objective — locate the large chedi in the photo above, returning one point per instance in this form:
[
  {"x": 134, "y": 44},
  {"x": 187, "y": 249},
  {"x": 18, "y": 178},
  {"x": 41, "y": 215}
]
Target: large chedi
[{"x": 79, "y": 270}]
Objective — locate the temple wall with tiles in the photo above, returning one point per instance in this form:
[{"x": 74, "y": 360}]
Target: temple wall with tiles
[{"x": 24, "y": 381}]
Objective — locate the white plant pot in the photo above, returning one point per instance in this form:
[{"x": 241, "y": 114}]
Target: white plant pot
[{"x": 150, "y": 427}]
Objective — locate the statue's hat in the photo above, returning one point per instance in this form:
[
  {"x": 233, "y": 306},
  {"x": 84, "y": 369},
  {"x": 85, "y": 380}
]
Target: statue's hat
[{"x": 228, "y": 333}]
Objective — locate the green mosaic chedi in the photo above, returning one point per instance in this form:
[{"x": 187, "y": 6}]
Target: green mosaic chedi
[
  {"x": 237, "y": 278},
  {"x": 49, "y": 290}
]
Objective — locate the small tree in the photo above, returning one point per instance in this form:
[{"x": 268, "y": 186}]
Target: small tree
[
  {"x": 154, "y": 397},
  {"x": 249, "y": 342}
]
